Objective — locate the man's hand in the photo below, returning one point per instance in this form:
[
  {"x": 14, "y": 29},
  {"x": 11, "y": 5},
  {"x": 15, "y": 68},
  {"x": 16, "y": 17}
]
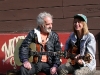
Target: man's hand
[
  {"x": 27, "y": 65},
  {"x": 53, "y": 70}
]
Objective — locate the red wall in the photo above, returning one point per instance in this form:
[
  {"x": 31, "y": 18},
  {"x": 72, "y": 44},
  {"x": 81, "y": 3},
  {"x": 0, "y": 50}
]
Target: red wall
[{"x": 7, "y": 45}]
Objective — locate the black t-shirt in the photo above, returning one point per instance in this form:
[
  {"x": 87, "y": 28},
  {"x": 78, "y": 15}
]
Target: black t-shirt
[{"x": 78, "y": 45}]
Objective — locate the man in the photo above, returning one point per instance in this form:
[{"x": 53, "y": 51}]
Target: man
[{"x": 49, "y": 42}]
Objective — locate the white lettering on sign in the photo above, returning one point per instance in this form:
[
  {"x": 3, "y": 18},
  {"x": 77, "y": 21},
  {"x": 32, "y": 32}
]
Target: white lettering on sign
[{"x": 9, "y": 48}]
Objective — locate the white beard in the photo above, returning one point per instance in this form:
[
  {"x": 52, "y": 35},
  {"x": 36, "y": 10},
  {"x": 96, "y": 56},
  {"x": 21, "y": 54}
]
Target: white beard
[{"x": 46, "y": 30}]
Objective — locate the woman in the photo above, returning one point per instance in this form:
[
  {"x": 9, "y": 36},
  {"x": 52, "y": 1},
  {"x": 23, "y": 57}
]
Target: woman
[{"x": 80, "y": 48}]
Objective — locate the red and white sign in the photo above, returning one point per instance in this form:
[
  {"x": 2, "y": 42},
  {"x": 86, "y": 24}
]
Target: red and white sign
[{"x": 7, "y": 46}]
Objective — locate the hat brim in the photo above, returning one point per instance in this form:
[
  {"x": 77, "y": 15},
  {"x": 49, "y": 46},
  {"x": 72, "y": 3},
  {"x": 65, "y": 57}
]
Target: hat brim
[{"x": 79, "y": 17}]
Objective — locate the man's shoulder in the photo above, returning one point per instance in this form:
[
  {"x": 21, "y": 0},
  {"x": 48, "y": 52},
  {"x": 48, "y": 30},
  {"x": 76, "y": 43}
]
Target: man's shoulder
[{"x": 54, "y": 33}]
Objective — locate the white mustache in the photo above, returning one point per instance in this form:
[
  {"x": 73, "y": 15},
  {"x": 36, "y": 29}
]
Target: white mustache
[{"x": 49, "y": 28}]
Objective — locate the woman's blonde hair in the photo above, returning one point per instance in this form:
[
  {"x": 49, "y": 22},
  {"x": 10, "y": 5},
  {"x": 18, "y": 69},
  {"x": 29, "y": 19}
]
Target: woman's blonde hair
[{"x": 84, "y": 30}]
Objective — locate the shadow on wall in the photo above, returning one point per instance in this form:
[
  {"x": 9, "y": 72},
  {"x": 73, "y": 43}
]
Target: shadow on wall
[{"x": 98, "y": 43}]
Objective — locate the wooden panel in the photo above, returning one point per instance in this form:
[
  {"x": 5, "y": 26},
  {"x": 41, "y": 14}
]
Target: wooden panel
[
  {"x": 60, "y": 25},
  {"x": 89, "y": 10},
  {"x": 92, "y": 13},
  {"x": 25, "y": 25},
  {"x": 98, "y": 62},
  {"x": 16, "y": 26},
  {"x": 98, "y": 48},
  {"x": 98, "y": 44},
  {"x": 80, "y": 2},
  {"x": 29, "y": 13},
  {"x": 93, "y": 23},
  {"x": 27, "y": 4},
  {"x": 98, "y": 68},
  {"x": 97, "y": 56},
  {"x": 66, "y": 24}
]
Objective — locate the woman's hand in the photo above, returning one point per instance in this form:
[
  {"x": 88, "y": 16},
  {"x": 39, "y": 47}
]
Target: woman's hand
[
  {"x": 77, "y": 57},
  {"x": 80, "y": 61}
]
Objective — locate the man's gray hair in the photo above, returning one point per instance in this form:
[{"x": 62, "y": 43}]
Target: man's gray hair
[{"x": 41, "y": 16}]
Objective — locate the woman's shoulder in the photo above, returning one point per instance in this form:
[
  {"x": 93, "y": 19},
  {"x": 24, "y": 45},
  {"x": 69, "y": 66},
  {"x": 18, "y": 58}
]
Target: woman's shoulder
[
  {"x": 91, "y": 34},
  {"x": 72, "y": 34}
]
